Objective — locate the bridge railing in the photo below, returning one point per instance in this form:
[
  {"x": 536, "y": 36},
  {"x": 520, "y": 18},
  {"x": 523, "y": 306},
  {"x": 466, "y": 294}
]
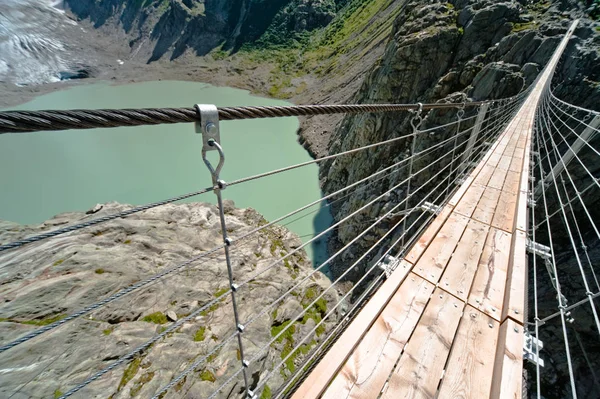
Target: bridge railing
[
  {"x": 564, "y": 240},
  {"x": 259, "y": 353}
]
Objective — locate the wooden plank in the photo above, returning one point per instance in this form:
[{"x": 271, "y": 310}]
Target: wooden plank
[
  {"x": 508, "y": 366},
  {"x": 366, "y": 371},
  {"x": 495, "y": 157},
  {"x": 420, "y": 246},
  {"x": 458, "y": 276},
  {"x": 470, "y": 367},
  {"x": 524, "y": 177},
  {"x": 462, "y": 190},
  {"x": 497, "y": 179},
  {"x": 419, "y": 370},
  {"x": 516, "y": 164},
  {"x": 484, "y": 175},
  {"x": 522, "y": 211},
  {"x": 505, "y": 213},
  {"x": 434, "y": 259},
  {"x": 487, "y": 292},
  {"x": 514, "y": 300},
  {"x": 469, "y": 202},
  {"x": 512, "y": 182},
  {"x": 509, "y": 151},
  {"x": 326, "y": 369},
  {"x": 485, "y": 209},
  {"x": 504, "y": 163}
]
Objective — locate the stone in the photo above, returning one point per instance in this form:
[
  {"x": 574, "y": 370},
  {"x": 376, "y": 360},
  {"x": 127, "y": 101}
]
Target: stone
[{"x": 171, "y": 315}]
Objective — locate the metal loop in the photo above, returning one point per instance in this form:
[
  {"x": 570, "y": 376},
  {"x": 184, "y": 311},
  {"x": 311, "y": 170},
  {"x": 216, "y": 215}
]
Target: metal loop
[
  {"x": 461, "y": 111},
  {"x": 214, "y": 172},
  {"x": 417, "y": 119}
]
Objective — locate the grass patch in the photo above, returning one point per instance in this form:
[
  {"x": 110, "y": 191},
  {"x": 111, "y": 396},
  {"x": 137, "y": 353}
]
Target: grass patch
[
  {"x": 108, "y": 331},
  {"x": 130, "y": 372},
  {"x": 266, "y": 393},
  {"x": 220, "y": 292},
  {"x": 156, "y": 318},
  {"x": 127, "y": 242},
  {"x": 58, "y": 262},
  {"x": 137, "y": 387},
  {"x": 206, "y": 375},
  {"x": 211, "y": 309},
  {"x": 288, "y": 335},
  {"x": 45, "y": 321},
  {"x": 521, "y": 27},
  {"x": 57, "y": 394},
  {"x": 99, "y": 271},
  {"x": 200, "y": 334}
]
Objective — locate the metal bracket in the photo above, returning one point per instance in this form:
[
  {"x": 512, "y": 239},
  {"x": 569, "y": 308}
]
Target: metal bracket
[
  {"x": 532, "y": 346},
  {"x": 430, "y": 207},
  {"x": 540, "y": 250},
  {"x": 388, "y": 264},
  {"x": 208, "y": 125}
]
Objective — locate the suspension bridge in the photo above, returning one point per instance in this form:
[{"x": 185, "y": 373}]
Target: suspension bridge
[{"x": 441, "y": 309}]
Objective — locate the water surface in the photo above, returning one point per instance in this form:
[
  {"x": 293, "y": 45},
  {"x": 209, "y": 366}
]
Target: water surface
[{"x": 46, "y": 173}]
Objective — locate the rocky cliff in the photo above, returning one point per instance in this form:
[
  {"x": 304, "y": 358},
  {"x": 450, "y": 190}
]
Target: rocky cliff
[
  {"x": 157, "y": 28},
  {"x": 45, "y": 282}
]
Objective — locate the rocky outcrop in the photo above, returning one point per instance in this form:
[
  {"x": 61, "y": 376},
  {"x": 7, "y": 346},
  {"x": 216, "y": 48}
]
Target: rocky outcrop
[
  {"x": 44, "y": 282},
  {"x": 159, "y": 28}
]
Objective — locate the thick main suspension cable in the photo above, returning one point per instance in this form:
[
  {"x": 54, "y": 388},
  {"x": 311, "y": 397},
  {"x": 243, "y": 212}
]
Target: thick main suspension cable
[{"x": 31, "y": 121}]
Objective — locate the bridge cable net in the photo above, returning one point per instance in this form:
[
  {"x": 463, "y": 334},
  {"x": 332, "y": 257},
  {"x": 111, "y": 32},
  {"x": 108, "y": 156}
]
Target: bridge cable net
[
  {"x": 395, "y": 169},
  {"x": 564, "y": 187},
  {"x": 436, "y": 181}
]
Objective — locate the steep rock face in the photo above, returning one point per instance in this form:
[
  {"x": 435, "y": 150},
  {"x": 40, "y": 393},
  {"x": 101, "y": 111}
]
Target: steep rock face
[
  {"x": 46, "y": 281},
  {"x": 156, "y": 28},
  {"x": 439, "y": 50}
]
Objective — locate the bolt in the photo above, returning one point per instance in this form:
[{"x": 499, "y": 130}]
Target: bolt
[
  {"x": 211, "y": 129},
  {"x": 490, "y": 325},
  {"x": 516, "y": 330}
]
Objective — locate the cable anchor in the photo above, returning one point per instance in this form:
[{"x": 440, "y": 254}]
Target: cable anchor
[
  {"x": 208, "y": 126},
  {"x": 417, "y": 118}
]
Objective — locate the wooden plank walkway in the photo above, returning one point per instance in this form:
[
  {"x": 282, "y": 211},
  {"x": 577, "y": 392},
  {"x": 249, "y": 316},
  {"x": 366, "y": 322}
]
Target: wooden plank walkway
[{"x": 448, "y": 322}]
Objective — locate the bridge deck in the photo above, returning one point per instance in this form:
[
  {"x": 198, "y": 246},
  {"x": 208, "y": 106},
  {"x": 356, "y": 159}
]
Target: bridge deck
[{"x": 448, "y": 322}]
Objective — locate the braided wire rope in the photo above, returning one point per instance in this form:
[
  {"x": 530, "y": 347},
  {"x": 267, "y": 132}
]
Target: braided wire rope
[{"x": 31, "y": 121}]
